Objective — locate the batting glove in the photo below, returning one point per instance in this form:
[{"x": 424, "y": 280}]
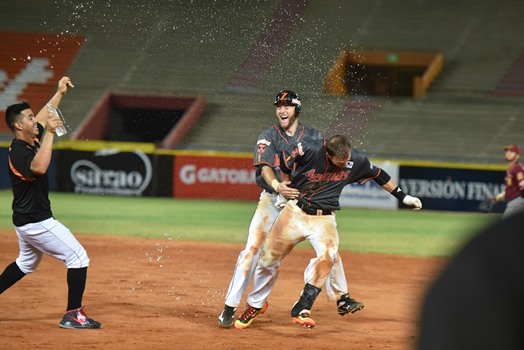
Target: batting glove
[{"x": 413, "y": 202}]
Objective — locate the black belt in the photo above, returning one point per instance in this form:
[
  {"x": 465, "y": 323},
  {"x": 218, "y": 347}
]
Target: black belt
[{"x": 312, "y": 211}]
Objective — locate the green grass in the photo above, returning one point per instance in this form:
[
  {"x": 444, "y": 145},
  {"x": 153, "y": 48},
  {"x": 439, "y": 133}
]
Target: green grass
[{"x": 404, "y": 232}]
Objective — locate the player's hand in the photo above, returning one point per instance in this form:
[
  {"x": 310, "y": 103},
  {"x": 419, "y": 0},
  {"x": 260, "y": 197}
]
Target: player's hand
[
  {"x": 280, "y": 201},
  {"x": 287, "y": 192},
  {"x": 64, "y": 84},
  {"x": 412, "y": 202},
  {"x": 53, "y": 121},
  {"x": 499, "y": 197}
]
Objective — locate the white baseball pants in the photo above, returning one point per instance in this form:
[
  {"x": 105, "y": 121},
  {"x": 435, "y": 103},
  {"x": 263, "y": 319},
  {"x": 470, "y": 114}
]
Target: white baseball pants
[
  {"x": 52, "y": 238},
  {"x": 292, "y": 227}
]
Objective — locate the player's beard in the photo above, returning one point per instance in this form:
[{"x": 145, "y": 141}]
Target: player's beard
[{"x": 287, "y": 123}]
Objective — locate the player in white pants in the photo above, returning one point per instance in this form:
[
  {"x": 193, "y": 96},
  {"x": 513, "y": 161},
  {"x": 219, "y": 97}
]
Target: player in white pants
[
  {"x": 52, "y": 238},
  {"x": 319, "y": 169},
  {"x": 273, "y": 140},
  {"x": 37, "y": 230}
]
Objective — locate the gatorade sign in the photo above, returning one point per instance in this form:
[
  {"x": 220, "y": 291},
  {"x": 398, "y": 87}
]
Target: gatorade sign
[
  {"x": 31, "y": 65},
  {"x": 215, "y": 177}
]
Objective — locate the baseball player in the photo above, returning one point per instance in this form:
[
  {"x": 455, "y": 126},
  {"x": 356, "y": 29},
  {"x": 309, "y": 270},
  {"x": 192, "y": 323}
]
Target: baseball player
[
  {"x": 319, "y": 169},
  {"x": 37, "y": 230},
  {"x": 514, "y": 181},
  {"x": 271, "y": 142}
]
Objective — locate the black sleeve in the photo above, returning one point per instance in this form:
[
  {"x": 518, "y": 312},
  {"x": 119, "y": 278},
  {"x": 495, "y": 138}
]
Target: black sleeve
[
  {"x": 20, "y": 159},
  {"x": 365, "y": 169},
  {"x": 382, "y": 178}
]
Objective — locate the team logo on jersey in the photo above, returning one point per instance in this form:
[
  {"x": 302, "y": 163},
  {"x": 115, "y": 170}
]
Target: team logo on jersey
[
  {"x": 300, "y": 150},
  {"x": 262, "y": 145},
  {"x": 313, "y": 176},
  {"x": 349, "y": 165},
  {"x": 296, "y": 151}
]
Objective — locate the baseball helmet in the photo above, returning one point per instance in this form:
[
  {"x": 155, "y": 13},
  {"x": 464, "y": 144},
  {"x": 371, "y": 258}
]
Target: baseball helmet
[{"x": 288, "y": 97}]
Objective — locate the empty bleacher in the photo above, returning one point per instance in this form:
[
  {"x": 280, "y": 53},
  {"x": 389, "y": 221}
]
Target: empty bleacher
[{"x": 191, "y": 47}]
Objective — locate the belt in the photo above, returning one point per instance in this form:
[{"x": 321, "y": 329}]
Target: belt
[{"x": 311, "y": 211}]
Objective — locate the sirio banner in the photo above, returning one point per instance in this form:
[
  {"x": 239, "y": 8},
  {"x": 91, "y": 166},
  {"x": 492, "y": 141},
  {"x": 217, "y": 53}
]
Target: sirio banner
[{"x": 108, "y": 171}]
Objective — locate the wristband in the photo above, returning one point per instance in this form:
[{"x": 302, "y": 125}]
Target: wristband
[
  {"x": 398, "y": 194},
  {"x": 275, "y": 184}
]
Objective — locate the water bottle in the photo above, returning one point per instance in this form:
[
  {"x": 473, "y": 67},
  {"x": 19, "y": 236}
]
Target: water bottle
[{"x": 61, "y": 130}]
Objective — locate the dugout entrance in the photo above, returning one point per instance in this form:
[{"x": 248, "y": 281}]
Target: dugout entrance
[{"x": 163, "y": 120}]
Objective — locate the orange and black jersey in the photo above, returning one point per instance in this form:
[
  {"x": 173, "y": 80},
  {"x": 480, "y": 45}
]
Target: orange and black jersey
[
  {"x": 271, "y": 142},
  {"x": 319, "y": 181},
  {"x": 30, "y": 193}
]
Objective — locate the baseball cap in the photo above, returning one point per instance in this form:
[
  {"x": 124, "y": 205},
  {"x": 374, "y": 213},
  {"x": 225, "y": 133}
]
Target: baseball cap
[{"x": 512, "y": 147}]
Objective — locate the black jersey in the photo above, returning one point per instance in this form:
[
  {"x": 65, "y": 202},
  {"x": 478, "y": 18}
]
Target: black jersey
[
  {"x": 271, "y": 142},
  {"x": 30, "y": 193},
  {"x": 319, "y": 181}
]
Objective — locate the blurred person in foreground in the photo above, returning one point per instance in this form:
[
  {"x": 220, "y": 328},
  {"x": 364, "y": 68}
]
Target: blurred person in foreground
[
  {"x": 477, "y": 301},
  {"x": 513, "y": 193},
  {"x": 37, "y": 230}
]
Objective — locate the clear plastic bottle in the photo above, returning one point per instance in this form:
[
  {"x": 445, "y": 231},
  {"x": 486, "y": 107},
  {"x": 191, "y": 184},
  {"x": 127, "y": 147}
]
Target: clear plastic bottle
[{"x": 61, "y": 130}]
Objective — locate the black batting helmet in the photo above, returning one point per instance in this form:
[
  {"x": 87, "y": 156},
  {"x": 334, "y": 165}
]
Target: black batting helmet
[{"x": 288, "y": 97}]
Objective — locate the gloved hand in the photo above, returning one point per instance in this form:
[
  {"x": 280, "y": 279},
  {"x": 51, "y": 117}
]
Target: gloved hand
[
  {"x": 281, "y": 201},
  {"x": 413, "y": 202}
]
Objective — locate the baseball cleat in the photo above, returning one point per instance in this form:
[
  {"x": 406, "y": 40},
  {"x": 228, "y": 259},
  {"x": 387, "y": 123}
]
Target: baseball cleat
[
  {"x": 249, "y": 315},
  {"x": 304, "y": 319},
  {"x": 77, "y": 319},
  {"x": 227, "y": 316},
  {"x": 346, "y": 305}
]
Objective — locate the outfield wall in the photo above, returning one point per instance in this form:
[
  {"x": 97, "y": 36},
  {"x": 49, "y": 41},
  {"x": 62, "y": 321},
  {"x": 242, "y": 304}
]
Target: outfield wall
[{"x": 134, "y": 169}]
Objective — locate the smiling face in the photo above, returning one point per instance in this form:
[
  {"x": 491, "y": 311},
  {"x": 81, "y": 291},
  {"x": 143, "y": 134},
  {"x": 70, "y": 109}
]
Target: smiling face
[
  {"x": 286, "y": 116},
  {"x": 26, "y": 125}
]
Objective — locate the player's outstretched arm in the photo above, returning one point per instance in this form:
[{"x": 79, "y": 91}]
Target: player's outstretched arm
[
  {"x": 388, "y": 184},
  {"x": 499, "y": 197},
  {"x": 42, "y": 158},
  {"x": 63, "y": 84}
]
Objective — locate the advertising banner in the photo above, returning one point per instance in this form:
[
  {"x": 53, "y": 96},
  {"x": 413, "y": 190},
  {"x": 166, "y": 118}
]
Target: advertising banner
[
  {"x": 107, "y": 171},
  {"x": 451, "y": 189},
  {"x": 369, "y": 194},
  {"x": 215, "y": 178}
]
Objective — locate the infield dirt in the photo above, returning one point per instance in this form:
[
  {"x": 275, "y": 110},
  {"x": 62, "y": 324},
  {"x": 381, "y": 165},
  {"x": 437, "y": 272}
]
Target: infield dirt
[{"x": 167, "y": 294}]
